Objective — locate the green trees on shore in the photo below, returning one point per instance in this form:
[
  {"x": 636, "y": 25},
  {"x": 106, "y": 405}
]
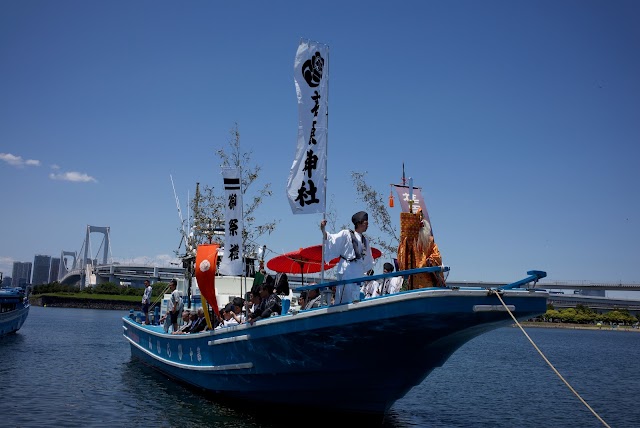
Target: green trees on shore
[
  {"x": 107, "y": 288},
  {"x": 584, "y": 315}
]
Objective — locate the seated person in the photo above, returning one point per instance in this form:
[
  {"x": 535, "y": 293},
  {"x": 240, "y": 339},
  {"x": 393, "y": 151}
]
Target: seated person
[
  {"x": 237, "y": 303},
  {"x": 313, "y": 299},
  {"x": 370, "y": 288},
  {"x": 200, "y": 323},
  {"x": 270, "y": 303},
  {"x": 252, "y": 304},
  {"x": 390, "y": 285},
  {"x": 302, "y": 299},
  {"x": 230, "y": 318},
  {"x": 227, "y": 319},
  {"x": 187, "y": 320}
]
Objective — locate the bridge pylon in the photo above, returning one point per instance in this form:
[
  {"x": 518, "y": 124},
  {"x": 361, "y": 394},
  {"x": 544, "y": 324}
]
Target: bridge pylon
[
  {"x": 88, "y": 262},
  {"x": 63, "y": 269}
]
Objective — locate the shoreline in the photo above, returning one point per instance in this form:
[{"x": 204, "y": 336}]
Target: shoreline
[
  {"x": 77, "y": 303},
  {"x": 577, "y": 326}
]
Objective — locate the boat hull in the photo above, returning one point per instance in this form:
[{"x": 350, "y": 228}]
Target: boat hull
[
  {"x": 359, "y": 358},
  {"x": 11, "y": 321}
]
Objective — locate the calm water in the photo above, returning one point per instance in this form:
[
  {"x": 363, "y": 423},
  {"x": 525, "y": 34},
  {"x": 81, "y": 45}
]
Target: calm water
[{"x": 72, "y": 368}]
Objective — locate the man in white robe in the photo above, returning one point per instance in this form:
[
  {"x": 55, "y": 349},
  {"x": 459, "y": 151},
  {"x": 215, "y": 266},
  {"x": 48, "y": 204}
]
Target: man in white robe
[{"x": 354, "y": 250}]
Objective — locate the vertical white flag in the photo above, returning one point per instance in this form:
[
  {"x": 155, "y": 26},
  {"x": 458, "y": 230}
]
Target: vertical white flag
[
  {"x": 306, "y": 184},
  {"x": 232, "y": 263}
]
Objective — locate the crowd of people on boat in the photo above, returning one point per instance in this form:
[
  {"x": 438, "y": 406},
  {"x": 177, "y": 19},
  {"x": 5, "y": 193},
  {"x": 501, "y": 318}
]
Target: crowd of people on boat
[
  {"x": 267, "y": 296},
  {"x": 264, "y": 302}
]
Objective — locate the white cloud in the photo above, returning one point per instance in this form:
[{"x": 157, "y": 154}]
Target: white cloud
[
  {"x": 18, "y": 161},
  {"x": 161, "y": 260},
  {"x": 167, "y": 260},
  {"x": 77, "y": 177},
  {"x": 73, "y": 176}
]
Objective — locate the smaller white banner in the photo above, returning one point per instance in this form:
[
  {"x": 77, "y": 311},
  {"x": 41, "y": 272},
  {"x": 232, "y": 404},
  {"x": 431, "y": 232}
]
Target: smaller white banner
[{"x": 232, "y": 263}]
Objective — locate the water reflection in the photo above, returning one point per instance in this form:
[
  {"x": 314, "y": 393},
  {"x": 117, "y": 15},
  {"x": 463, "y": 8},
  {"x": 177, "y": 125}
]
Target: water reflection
[
  {"x": 158, "y": 396},
  {"x": 167, "y": 402}
]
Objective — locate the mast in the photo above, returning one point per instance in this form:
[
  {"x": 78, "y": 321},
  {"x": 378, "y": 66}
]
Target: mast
[
  {"x": 404, "y": 180},
  {"x": 190, "y": 258}
]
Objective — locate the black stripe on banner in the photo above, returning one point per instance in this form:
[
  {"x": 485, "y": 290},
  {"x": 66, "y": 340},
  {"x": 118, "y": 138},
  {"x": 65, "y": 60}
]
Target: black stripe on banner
[{"x": 232, "y": 183}]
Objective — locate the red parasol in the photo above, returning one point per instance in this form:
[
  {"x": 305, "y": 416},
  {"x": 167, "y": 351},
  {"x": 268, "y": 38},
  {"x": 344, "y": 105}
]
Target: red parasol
[
  {"x": 315, "y": 253},
  {"x": 375, "y": 253},
  {"x": 304, "y": 260}
]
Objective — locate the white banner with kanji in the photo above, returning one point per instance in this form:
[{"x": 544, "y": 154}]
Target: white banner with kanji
[
  {"x": 232, "y": 263},
  {"x": 306, "y": 184}
]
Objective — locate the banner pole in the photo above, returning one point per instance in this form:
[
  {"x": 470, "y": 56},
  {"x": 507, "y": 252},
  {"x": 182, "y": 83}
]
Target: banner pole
[{"x": 326, "y": 162}]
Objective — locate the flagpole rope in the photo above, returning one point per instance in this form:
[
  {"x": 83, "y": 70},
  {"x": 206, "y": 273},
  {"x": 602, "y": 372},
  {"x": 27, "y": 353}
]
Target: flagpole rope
[{"x": 548, "y": 362}]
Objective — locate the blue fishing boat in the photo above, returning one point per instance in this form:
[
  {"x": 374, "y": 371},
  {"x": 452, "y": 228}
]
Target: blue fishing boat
[
  {"x": 14, "y": 308},
  {"x": 354, "y": 358},
  {"x": 367, "y": 354}
]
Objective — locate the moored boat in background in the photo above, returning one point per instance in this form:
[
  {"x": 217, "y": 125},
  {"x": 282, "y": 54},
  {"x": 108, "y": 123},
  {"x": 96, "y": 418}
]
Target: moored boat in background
[{"x": 14, "y": 308}]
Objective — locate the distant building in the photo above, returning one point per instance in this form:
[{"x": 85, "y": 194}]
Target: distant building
[
  {"x": 41, "y": 267},
  {"x": 21, "y": 274},
  {"x": 6, "y": 281},
  {"x": 54, "y": 269}
]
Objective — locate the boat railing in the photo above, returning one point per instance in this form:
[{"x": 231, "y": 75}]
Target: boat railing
[
  {"x": 534, "y": 276},
  {"x": 402, "y": 273}
]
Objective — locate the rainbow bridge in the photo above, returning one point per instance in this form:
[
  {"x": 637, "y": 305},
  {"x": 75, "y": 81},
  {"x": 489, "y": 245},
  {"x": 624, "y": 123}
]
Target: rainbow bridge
[{"x": 99, "y": 269}]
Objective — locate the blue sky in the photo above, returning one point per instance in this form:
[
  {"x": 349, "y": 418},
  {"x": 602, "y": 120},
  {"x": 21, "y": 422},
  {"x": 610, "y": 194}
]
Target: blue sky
[{"x": 520, "y": 120}]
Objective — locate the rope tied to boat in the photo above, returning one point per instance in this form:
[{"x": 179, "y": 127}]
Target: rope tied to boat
[
  {"x": 158, "y": 299},
  {"x": 497, "y": 293}
]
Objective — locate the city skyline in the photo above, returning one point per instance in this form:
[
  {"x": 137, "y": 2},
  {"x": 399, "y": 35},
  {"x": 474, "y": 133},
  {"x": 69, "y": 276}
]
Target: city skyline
[{"x": 43, "y": 270}]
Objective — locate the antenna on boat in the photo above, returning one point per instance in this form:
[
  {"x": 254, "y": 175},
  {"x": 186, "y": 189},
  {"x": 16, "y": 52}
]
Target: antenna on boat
[{"x": 175, "y": 195}]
